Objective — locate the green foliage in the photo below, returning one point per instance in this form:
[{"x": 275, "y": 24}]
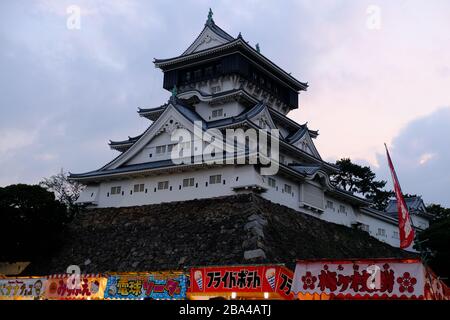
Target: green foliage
[
  {"x": 361, "y": 180},
  {"x": 32, "y": 222},
  {"x": 440, "y": 213}
]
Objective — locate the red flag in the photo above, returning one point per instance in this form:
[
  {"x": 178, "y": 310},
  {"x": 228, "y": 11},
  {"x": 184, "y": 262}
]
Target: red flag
[{"x": 404, "y": 219}]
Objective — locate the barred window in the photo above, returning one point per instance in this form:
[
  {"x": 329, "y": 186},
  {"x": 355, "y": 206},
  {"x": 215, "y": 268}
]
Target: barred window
[
  {"x": 381, "y": 232},
  {"x": 160, "y": 149},
  {"x": 330, "y": 204},
  {"x": 163, "y": 185},
  {"x": 139, "y": 187},
  {"x": 188, "y": 182},
  {"x": 217, "y": 113},
  {"x": 287, "y": 188},
  {"x": 116, "y": 190},
  {"x": 215, "y": 179},
  {"x": 272, "y": 182}
]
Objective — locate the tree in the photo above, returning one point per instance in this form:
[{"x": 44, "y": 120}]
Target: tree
[
  {"x": 32, "y": 221},
  {"x": 436, "y": 241},
  {"x": 65, "y": 190},
  {"x": 439, "y": 212},
  {"x": 361, "y": 180}
]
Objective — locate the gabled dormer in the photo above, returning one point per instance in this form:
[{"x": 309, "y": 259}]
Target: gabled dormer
[
  {"x": 211, "y": 36},
  {"x": 303, "y": 140}
]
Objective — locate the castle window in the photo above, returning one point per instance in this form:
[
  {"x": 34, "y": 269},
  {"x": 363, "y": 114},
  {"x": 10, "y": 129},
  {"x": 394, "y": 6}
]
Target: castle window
[
  {"x": 215, "y": 179},
  {"x": 160, "y": 149},
  {"x": 381, "y": 232},
  {"x": 330, "y": 205},
  {"x": 163, "y": 185},
  {"x": 116, "y": 190},
  {"x": 188, "y": 182},
  {"x": 287, "y": 188},
  {"x": 262, "y": 123},
  {"x": 272, "y": 182},
  {"x": 215, "y": 89},
  {"x": 139, "y": 188},
  {"x": 217, "y": 113},
  {"x": 342, "y": 209},
  {"x": 395, "y": 235},
  {"x": 282, "y": 159}
]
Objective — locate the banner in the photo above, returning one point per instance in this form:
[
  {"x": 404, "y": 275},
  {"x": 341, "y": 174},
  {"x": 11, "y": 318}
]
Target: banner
[
  {"x": 77, "y": 287},
  {"x": 248, "y": 279},
  {"x": 361, "y": 279},
  {"x": 22, "y": 288},
  {"x": 406, "y": 230},
  {"x": 163, "y": 286}
]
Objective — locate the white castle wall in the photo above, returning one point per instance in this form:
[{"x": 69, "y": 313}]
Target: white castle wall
[{"x": 231, "y": 177}]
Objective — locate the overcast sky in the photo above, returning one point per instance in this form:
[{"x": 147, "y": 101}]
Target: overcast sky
[{"x": 379, "y": 71}]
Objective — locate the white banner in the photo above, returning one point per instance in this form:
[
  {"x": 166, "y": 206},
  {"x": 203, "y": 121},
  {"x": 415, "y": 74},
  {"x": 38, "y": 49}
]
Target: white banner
[
  {"x": 361, "y": 279},
  {"x": 22, "y": 288}
]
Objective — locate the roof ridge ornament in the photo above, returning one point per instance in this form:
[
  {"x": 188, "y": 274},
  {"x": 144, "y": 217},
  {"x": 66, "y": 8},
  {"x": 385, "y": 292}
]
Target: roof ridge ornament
[
  {"x": 258, "y": 49},
  {"x": 210, "y": 17},
  {"x": 174, "y": 93}
]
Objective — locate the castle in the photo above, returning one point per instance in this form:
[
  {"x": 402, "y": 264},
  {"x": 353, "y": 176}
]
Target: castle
[{"x": 221, "y": 83}]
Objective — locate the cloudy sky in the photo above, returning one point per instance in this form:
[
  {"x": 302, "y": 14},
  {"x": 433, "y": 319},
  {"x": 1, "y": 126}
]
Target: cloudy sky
[{"x": 379, "y": 71}]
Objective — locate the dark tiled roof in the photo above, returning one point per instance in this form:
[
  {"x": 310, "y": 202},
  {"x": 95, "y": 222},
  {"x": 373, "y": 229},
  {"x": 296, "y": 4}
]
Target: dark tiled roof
[
  {"x": 305, "y": 169},
  {"x": 126, "y": 169},
  {"x": 413, "y": 203},
  {"x": 152, "y": 113},
  {"x": 415, "y": 206},
  {"x": 130, "y": 140},
  {"x": 242, "y": 45},
  {"x": 203, "y": 233}
]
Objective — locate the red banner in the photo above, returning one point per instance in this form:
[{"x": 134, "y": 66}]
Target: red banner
[
  {"x": 406, "y": 230},
  {"x": 248, "y": 279}
]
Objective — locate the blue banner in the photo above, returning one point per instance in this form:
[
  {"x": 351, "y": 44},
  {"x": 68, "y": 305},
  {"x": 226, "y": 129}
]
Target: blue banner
[{"x": 157, "y": 286}]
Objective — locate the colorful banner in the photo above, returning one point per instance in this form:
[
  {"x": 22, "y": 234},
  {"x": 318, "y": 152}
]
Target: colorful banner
[
  {"x": 248, "y": 279},
  {"x": 22, "y": 288},
  {"x": 161, "y": 286},
  {"x": 387, "y": 278},
  {"x": 81, "y": 287}
]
